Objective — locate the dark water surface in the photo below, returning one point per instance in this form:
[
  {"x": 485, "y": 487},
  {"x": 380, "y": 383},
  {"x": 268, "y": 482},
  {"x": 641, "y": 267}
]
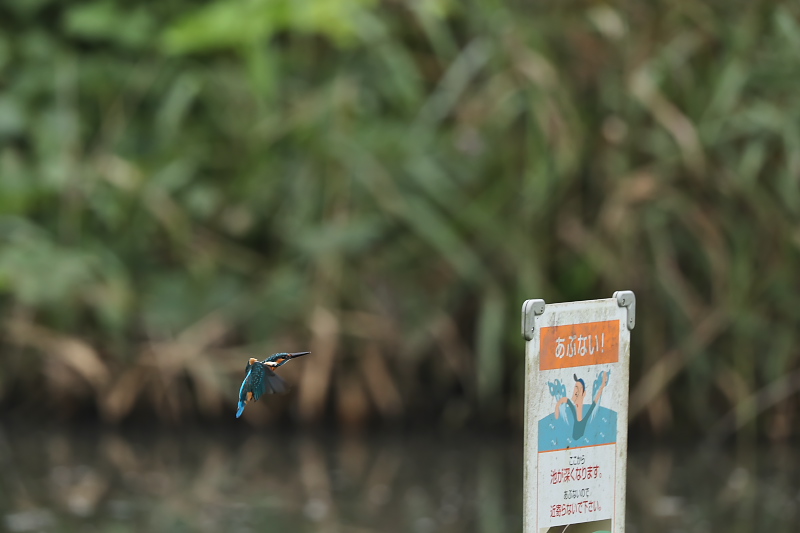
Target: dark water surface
[{"x": 212, "y": 480}]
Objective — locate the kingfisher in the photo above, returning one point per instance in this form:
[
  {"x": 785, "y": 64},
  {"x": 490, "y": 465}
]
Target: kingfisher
[{"x": 260, "y": 378}]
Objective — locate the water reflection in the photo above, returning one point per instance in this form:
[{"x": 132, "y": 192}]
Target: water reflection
[
  {"x": 216, "y": 481},
  {"x": 747, "y": 490},
  {"x": 110, "y": 481}
]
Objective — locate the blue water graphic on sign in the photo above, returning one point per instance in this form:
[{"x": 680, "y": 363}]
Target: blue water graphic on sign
[
  {"x": 586, "y": 424},
  {"x": 558, "y": 434}
]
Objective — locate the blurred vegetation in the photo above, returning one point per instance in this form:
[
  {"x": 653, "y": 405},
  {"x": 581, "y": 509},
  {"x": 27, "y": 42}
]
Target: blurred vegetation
[{"x": 183, "y": 186}]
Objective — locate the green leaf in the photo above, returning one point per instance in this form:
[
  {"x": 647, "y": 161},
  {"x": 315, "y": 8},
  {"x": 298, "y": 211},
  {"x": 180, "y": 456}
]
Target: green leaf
[
  {"x": 236, "y": 24},
  {"x": 104, "y": 21}
]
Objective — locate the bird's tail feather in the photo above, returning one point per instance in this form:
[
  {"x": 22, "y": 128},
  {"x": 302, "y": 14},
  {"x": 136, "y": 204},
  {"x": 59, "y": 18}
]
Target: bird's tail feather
[{"x": 241, "y": 409}]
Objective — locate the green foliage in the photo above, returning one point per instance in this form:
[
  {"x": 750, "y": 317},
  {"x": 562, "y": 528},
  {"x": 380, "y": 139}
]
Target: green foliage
[
  {"x": 393, "y": 180},
  {"x": 104, "y": 21},
  {"x": 238, "y": 24}
]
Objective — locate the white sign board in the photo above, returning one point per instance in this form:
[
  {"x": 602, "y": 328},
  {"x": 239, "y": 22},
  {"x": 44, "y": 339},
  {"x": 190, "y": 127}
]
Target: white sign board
[{"x": 577, "y": 361}]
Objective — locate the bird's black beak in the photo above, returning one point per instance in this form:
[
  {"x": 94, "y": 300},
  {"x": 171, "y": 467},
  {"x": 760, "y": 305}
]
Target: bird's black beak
[{"x": 298, "y": 354}]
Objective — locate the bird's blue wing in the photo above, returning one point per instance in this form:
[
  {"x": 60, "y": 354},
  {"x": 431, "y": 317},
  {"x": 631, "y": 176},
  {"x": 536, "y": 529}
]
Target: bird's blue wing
[
  {"x": 245, "y": 386},
  {"x": 258, "y": 380},
  {"x": 243, "y": 390},
  {"x": 265, "y": 381},
  {"x": 274, "y": 383}
]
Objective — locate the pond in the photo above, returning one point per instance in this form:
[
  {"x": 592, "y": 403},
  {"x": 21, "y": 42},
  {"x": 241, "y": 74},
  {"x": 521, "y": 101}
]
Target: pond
[{"x": 154, "y": 480}]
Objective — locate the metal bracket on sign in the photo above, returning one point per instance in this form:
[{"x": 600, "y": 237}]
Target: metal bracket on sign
[
  {"x": 628, "y": 300},
  {"x": 530, "y": 310}
]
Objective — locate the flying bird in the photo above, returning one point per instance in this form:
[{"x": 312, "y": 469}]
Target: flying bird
[{"x": 260, "y": 379}]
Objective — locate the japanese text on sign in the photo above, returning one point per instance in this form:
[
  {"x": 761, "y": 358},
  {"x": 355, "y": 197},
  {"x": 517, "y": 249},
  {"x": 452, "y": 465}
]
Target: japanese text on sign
[
  {"x": 567, "y": 509},
  {"x": 565, "y": 475},
  {"x": 582, "y": 347},
  {"x": 572, "y": 345}
]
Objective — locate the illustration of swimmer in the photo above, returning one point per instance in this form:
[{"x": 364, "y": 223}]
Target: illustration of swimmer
[{"x": 575, "y": 405}]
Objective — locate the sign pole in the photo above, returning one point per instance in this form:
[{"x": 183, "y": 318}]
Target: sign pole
[{"x": 577, "y": 367}]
